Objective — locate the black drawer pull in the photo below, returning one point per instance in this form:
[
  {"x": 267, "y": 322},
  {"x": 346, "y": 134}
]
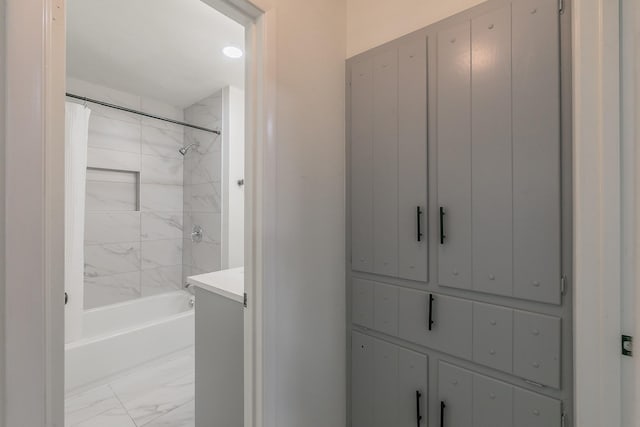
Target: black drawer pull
[
  {"x": 442, "y": 406},
  {"x": 418, "y": 414},
  {"x": 431, "y": 298},
  {"x": 418, "y": 222},
  {"x": 442, "y": 235}
]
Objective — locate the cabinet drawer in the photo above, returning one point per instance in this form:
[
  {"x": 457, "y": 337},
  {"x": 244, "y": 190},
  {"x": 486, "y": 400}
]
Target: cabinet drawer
[
  {"x": 451, "y": 330},
  {"x": 536, "y": 354},
  {"x": 385, "y": 309},
  {"x": 535, "y": 410},
  {"x": 493, "y": 336},
  {"x": 362, "y": 303}
]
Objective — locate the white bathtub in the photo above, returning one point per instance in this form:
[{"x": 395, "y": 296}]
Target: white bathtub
[{"x": 122, "y": 336}]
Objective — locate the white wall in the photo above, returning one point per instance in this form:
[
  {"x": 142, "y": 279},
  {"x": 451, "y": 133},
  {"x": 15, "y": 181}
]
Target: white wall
[
  {"x": 233, "y": 152},
  {"x": 372, "y": 23},
  {"x": 305, "y": 383}
]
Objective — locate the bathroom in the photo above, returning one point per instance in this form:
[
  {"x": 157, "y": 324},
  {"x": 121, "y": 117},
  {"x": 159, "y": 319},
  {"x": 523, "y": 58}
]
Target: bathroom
[{"x": 154, "y": 195}]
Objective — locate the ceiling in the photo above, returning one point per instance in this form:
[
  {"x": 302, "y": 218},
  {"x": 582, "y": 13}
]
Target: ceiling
[{"x": 169, "y": 50}]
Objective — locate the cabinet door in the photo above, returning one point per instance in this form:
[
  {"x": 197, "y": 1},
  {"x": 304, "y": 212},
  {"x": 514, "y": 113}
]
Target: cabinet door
[
  {"x": 385, "y": 163},
  {"x": 536, "y": 151},
  {"x": 385, "y": 390},
  {"x": 492, "y": 403},
  {"x": 454, "y": 156},
  {"x": 362, "y": 302},
  {"x": 536, "y": 347},
  {"x": 385, "y": 379},
  {"x": 451, "y": 331},
  {"x": 362, "y": 381},
  {"x": 362, "y": 166},
  {"x": 493, "y": 336},
  {"x": 413, "y": 378},
  {"x": 412, "y": 155},
  {"x": 454, "y": 396},
  {"x": 534, "y": 410},
  {"x": 491, "y": 152}
]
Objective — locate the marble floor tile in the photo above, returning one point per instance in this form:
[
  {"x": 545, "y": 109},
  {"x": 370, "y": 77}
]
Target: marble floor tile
[
  {"x": 159, "y": 394},
  {"x": 162, "y": 400},
  {"x": 90, "y": 404},
  {"x": 146, "y": 380},
  {"x": 183, "y": 416},
  {"x": 116, "y": 417}
]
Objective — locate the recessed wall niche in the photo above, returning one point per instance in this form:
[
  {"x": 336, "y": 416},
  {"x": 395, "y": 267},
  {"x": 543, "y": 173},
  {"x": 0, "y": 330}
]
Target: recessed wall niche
[{"x": 112, "y": 190}]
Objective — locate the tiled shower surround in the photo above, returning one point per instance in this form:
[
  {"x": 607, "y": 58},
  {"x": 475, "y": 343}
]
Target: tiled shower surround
[
  {"x": 202, "y": 187},
  {"x": 142, "y": 195}
]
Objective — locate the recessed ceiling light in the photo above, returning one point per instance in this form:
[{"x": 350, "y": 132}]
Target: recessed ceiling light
[{"x": 232, "y": 52}]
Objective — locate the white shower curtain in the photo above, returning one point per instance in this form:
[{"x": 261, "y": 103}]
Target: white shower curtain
[{"x": 76, "y": 138}]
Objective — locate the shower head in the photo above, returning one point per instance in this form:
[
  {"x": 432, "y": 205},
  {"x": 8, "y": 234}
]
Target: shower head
[{"x": 185, "y": 150}]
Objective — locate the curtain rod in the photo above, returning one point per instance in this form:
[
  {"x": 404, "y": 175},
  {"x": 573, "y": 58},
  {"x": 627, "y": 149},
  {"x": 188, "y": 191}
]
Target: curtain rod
[{"x": 141, "y": 113}]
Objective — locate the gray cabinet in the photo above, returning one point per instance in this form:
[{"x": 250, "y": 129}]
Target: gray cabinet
[
  {"x": 385, "y": 309},
  {"x": 455, "y": 396},
  {"x": 536, "y": 151},
  {"x": 389, "y": 384},
  {"x": 498, "y": 152},
  {"x": 361, "y": 155},
  {"x": 468, "y": 399},
  {"x": 389, "y": 128},
  {"x": 536, "y": 339},
  {"x": 491, "y": 178},
  {"x": 455, "y": 136},
  {"x": 493, "y": 336},
  {"x": 454, "y": 155},
  {"x": 492, "y": 403},
  {"x": 362, "y": 380},
  {"x": 362, "y": 303},
  {"x": 385, "y": 163},
  {"x": 535, "y": 410},
  {"x": 412, "y": 158},
  {"x": 451, "y": 322}
]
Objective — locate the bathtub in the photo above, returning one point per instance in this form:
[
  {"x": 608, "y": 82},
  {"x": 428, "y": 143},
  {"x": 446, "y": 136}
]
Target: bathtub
[{"x": 122, "y": 336}]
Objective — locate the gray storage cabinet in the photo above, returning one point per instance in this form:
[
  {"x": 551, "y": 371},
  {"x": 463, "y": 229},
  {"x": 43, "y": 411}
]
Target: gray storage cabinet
[
  {"x": 498, "y": 138},
  {"x": 389, "y": 384},
  {"x": 389, "y": 162},
  {"x": 458, "y": 246}
]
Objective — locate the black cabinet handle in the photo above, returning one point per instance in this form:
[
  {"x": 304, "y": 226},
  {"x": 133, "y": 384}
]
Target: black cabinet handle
[
  {"x": 66, "y": 298},
  {"x": 418, "y": 414},
  {"x": 442, "y": 235},
  {"x": 442, "y": 406},
  {"x": 418, "y": 215},
  {"x": 431, "y": 298}
]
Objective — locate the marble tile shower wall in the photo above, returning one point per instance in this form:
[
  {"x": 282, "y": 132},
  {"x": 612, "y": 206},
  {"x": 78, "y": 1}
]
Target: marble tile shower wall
[
  {"x": 134, "y": 205},
  {"x": 203, "y": 186}
]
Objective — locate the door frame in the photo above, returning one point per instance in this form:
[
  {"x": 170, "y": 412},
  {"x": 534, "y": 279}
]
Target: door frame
[
  {"x": 597, "y": 210},
  {"x": 34, "y": 194}
]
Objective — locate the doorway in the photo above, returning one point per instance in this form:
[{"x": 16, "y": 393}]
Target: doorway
[
  {"x": 47, "y": 262},
  {"x": 154, "y": 196}
]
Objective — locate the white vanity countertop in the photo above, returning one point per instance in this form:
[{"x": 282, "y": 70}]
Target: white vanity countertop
[{"x": 228, "y": 283}]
